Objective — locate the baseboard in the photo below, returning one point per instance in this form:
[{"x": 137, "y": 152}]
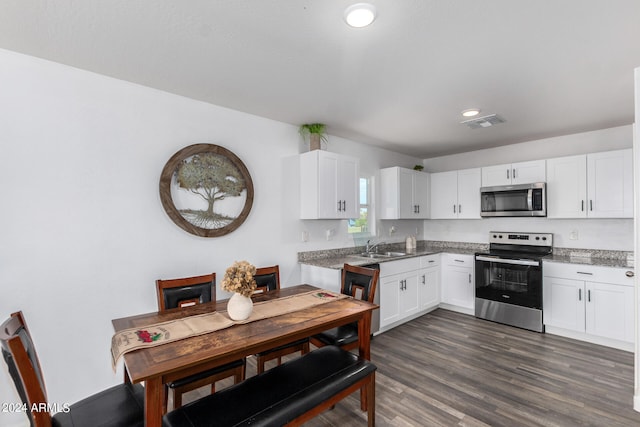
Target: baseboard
[{"x": 608, "y": 342}]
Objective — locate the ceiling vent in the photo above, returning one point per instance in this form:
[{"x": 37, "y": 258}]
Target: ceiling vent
[{"x": 483, "y": 122}]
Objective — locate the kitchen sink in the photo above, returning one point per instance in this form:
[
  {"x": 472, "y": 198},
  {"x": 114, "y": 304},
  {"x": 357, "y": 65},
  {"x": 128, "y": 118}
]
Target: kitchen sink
[{"x": 381, "y": 254}]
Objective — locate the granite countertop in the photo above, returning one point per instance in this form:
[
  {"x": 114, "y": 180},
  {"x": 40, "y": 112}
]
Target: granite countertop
[
  {"x": 336, "y": 258},
  {"x": 621, "y": 262}
]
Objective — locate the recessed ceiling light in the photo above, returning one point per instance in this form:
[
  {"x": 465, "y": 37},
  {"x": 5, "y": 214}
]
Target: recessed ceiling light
[
  {"x": 360, "y": 14},
  {"x": 471, "y": 112}
]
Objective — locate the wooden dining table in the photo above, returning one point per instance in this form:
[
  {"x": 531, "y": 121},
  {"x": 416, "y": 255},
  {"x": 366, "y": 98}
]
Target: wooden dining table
[{"x": 168, "y": 362}]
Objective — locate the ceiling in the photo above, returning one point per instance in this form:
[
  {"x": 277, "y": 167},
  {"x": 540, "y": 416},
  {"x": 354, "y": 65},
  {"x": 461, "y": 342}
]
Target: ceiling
[{"x": 547, "y": 67}]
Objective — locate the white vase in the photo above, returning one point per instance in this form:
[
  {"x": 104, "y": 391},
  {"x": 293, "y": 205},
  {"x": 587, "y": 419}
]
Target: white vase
[{"x": 239, "y": 307}]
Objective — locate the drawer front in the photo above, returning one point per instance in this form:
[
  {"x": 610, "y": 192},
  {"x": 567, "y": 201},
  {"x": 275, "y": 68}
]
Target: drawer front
[
  {"x": 457, "y": 260},
  {"x": 588, "y": 273},
  {"x": 399, "y": 266},
  {"x": 430, "y": 261}
]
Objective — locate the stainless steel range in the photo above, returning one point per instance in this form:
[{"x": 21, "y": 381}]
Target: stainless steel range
[{"x": 509, "y": 279}]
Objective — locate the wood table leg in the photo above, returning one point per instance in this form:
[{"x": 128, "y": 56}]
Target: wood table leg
[
  {"x": 364, "y": 349},
  {"x": 153, "y": 399}
]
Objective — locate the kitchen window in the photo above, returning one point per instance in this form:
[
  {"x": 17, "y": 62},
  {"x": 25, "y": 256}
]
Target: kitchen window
[{"x": 362, "y": 224}]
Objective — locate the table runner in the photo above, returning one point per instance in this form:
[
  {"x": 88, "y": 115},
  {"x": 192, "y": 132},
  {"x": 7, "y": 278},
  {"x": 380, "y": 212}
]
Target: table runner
[{"x": 174, "y": 330}]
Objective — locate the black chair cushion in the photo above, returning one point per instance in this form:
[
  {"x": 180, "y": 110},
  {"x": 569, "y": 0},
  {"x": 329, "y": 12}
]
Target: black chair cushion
[
  {"x": 174, "y": 296},
  {"x": 268, "y": 281},
  {"x": 352, "y": 279},
  {"x": 339, "y": 336},
  {"x": 119, "y": 406},
  {"x": 278, "y": 395},
  {"x": 280, "y": 347},
  {"x": 205, "y": 374}
]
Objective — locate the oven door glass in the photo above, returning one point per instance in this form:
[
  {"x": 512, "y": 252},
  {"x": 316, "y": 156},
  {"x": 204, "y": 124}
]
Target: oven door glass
[{"x": 510, "y": 282}]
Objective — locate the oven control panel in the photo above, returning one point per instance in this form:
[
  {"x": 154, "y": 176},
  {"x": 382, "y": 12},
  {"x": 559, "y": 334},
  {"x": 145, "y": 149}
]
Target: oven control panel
[{"x": 532, "y": 239}]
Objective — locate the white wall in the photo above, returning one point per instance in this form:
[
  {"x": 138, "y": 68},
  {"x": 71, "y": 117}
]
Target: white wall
[
  {"x": 609, "y": 234},
  {"x": 636, "y": 180},
  {"x": 83, "y": 233},
  {"x": 615, "y": 138}
]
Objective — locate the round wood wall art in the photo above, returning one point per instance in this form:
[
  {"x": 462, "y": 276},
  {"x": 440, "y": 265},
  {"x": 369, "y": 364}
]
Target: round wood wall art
[{"x": 206, "y": 190}]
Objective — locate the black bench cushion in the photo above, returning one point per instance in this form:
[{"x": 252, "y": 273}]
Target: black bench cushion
[
  {"x": 278, "y": 395},
  {"x": 118, "y": 406}
]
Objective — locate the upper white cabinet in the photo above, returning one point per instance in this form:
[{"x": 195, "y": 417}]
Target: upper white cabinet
[
  {"x": 514, "y": 173},
  {"x": 328, "y": 185},
  {"x": 404, "y": 194},
  {"x": 598, "y": 185},
  {"x": 455, "y": 194}
]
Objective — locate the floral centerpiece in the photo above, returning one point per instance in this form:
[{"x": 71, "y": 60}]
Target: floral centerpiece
[{"x": 239, "y": 279}]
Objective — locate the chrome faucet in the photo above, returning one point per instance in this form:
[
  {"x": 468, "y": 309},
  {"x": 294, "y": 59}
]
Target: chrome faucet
[{"x": 369, "y": 248}]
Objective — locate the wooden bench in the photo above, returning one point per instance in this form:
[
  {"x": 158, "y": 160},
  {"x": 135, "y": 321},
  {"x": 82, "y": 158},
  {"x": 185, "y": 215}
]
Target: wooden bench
[{"x": 289, "y": 394}]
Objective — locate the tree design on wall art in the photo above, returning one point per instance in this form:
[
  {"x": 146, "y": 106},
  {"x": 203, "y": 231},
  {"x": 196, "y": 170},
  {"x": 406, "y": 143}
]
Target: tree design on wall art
[{"x": 206, "y": 190}]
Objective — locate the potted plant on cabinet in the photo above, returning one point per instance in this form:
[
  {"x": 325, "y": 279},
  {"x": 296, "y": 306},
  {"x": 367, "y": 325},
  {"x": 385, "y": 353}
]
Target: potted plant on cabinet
[{"x": 316, "y": 134}]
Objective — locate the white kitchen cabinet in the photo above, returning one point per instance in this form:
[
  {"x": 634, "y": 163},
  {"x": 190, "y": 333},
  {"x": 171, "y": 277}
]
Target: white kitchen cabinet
[
  {"x": 594, "y": 301},
  {"x": 458, "y": 287},
  {"x": 398, "y": 287},
  {"x": 514, "y": 173},
  {"x": 404, "y": 194},
  {"x": 597, "y": 185},
  {"x": 328, "y": 185},
  {"x": 455, "y": 194},
  {"x": 429, "y": 282}
]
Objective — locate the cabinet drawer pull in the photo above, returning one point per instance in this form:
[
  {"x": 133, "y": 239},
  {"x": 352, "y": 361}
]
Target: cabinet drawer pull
[
  {"x": 629, "y": 274},
  {"x": 584, "y": 272}
]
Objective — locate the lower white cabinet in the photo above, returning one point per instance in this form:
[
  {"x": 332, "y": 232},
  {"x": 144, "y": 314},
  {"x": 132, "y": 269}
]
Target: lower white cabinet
[
  {"x": 429, "y": 282},
  {"x": 407, "y": 288},
  {"x": 458, "y": 287},
  {"x": 592, "y": 300}
]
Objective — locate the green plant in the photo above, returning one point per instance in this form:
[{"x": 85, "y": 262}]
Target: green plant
[
  {"x": 418, "y": 167},
  {"x": 313, "y": 128}
]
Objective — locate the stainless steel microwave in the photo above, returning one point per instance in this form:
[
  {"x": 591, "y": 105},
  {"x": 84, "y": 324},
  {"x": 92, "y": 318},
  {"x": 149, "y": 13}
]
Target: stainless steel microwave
[{"x": 514, "y": 200}]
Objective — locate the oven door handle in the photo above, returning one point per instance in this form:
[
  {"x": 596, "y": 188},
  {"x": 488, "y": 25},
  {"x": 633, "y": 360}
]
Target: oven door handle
[
  {"x": 530, "y": 199},
  {"x": 507, "y": 261}
]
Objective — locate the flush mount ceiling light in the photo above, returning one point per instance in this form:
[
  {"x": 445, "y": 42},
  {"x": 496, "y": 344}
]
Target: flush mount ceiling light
[
  {"x": 471, "y": 112},
  {"x": 360, "y": 14}
]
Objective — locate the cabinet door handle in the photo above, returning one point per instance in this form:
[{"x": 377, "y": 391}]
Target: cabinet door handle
[
  {"x": 579, "y": 294},
  {"x": 507, "y": 173},
  {"x": 514, "y": 173},
  {"x": 589, "y": 295},
  {"x": 469, "y": 277},
  {"x": 418, "y": 208},
  {"x": 339, "y": 206},
  {"x": 424, "y": 280},
  {"x": 344, "y": 205},
  {"x": 582, "y": 205},
  {"x": 629, "y": 274},
  {"x": 459, "y": 209},
  {"x": 591, "y": 205},
  {"x": 454, "y": 208}
]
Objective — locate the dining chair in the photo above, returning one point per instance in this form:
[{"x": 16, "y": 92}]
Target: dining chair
[
  {"x": 358, "y": 282},
  {"x": 185, "y": 292},
  {"x": 268, "y": 279},
  {"x": 121, "y": 405}
]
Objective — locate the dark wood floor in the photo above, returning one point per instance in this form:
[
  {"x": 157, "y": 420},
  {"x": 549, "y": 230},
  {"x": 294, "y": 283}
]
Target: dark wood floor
[{"x": 449, "y": 369}]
